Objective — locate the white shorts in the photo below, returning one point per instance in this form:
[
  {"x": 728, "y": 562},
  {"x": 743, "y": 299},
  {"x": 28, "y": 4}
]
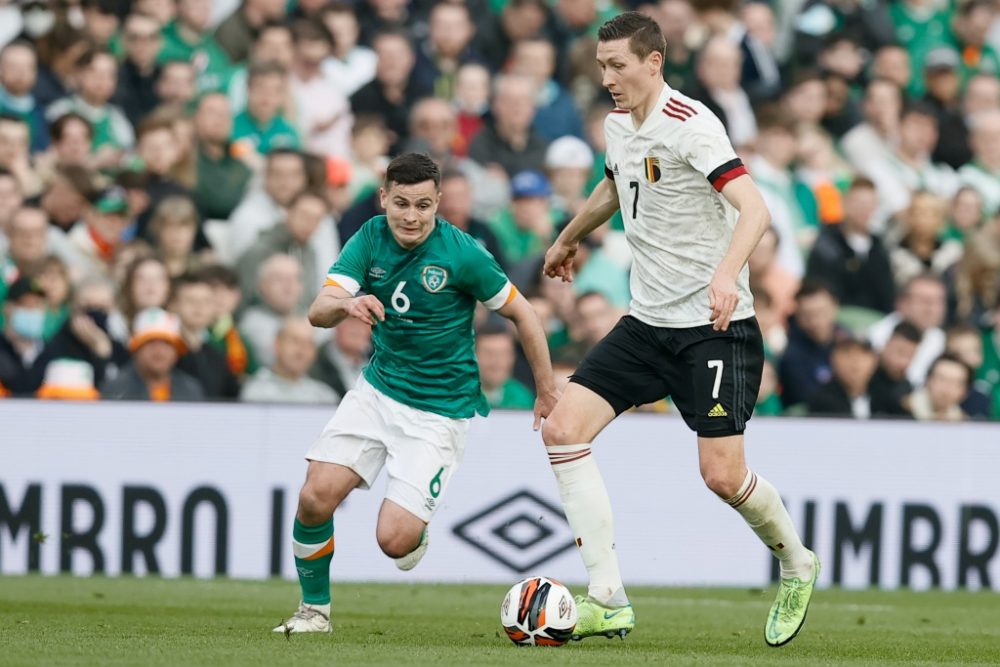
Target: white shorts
[{"x": 420, "y": 449}]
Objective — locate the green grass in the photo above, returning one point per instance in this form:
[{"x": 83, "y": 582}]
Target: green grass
[{"x": 95, "y": 621}]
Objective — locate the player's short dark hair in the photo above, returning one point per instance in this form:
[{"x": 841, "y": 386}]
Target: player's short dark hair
[
  {"x": 812, "y": 287},
  {"x": 412, "y": 168},
  {"x": 643, "y": 33},
  {"x": 907, "y": 331},
  {"x": 946, "y": 357}
]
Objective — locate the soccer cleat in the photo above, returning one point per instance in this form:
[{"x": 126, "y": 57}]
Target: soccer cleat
[
  {"x": 596, "y": 620},
  {"x": 410, "y": 560},
  {"x": 308, "y": 618},
  {"x": 788, "y": 613}
]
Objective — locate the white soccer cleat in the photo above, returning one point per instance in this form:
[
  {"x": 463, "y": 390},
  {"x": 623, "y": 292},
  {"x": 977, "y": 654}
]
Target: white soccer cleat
[
  {"x": 410, "y": 560},
  {"x": 308, "y": 618}
]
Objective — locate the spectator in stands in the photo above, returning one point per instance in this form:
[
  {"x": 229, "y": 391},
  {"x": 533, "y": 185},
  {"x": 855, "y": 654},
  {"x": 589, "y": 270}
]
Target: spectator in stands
[
  {"x": 447, "y": 47},
  {"x": 496, "y": 355},
  {"x": 922, "y": 301},
  {"x": 943, "y": 86},
  {"x": 776, "y": 148},
  {"x": 597, "y": 316},
  {"x": 68, "y": 380},
  {"x": 293, "y": 237},
  {"x": 394, "y": 90},
  {"x": 97, "y": 77},
  {"x": 262, "y": 127},
  {"x": 274, "y": 44},
  {"x": 527, "y": 229},
  {"x": 324, "y": 114},
  {"x": 238, "y": 32},
  {"x": 28, "y": 245},
  {"x": 285, "y": 178},
  {"x": 100, "y": 20},
  {"x": 519, "y": 19},
  {"x": 920, "y": 25},
  {"x": 21, "y": 340},
  {"x": 189, "y": 38},
  {"x": 983, "y": 173},
  {"x": 892, "y": 63},
  {"x": 921, "y": 247},
  {"x": 72, "y": 138},
  {"x": 821, "y": 169},
  {"x": 152, "y": 375},
  {"x": 160, "y": 151},
  {"x": 977, "y": 279},
  {"x": 456, "y": 208},
  {"x": 136, "y": 91},
  {"x": 87, "y": 334},
  {"x": 15, "y": 154},
  {"x": 221, "y": 177},
  {"x": 18, "y": 75},
  {"x": 509, "y": 140},
  {"x": 59, "y": 49},
  {"x": 966, "y": 216},
  {"x": 851, "y": 260},
  {"x": 948, "y": 383},
  {"x": 343, "y": 356},
  {"x": 471, "y": 100},
  {"x": 11, "y": 200},
  {"x": 146, "y": 285},
  {"x": 982, "y": 93},
  {"x": 193, "y": 300},
  {"x": 434, "y": 130},
  {"x": 847, "y": 393},
  {"x": 177, "y": 85},
  {"x": 889, "y": 385},
  {"x": 873, "y": 139},
  {"x": 805, "y": 366},
  {"x": 223, "y": 334},
  {"x": 761, "y": 75},
  {"x": 569, "y": 162},
  {"x": 971, "y": 22},
  {"x": 965, "y": 342},
  {"x": 100, "y": 235},
  {"x": 817, "y": 19},
  {"x": 805, "y": 100},
  {"x": 351, "y": 64},
  {"x": 718, "y": 87},
  {"x": 279, "y": 288},
  {"x": 287, "y": 380},
  {"x": 556, "y": 114},
  {"x": 173, "y": 228},
  {"x": 66, "y": 200}
]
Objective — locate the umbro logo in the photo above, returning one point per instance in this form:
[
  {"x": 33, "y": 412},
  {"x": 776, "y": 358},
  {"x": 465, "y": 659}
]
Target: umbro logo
[
  {"x": 718, "y": 411},
  {"x": 376, "y": 272}
]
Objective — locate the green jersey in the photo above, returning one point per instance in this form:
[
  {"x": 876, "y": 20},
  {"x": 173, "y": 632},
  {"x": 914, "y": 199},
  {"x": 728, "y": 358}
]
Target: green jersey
[{"x": 424, "y": 354}]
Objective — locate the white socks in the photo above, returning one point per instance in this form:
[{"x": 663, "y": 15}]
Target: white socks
[
  {"x": 760, "y": 506},
  {"x": 588, "y": 510}
]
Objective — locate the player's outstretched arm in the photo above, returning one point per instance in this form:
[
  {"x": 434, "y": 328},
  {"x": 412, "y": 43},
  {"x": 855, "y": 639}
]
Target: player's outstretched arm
[
  {"x": 333, "y": 304},
  {"x": 536, "y": 349},
  {"x": 598, "y": 209},
  {"x": 754, "y": 220}
]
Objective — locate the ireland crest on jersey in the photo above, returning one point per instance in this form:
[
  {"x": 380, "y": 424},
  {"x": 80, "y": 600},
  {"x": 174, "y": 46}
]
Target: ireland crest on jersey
[{"x": 434, "y": 278}]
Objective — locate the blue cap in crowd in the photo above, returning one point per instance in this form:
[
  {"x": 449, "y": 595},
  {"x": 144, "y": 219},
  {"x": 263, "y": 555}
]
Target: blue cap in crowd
[{"x": 529, "y": 184}]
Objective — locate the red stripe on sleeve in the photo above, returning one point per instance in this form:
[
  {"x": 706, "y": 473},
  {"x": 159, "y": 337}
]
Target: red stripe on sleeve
[{"x": 730, "y": 175}]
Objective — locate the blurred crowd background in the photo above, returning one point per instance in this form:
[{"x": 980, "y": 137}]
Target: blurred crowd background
[{"x": 176, "y": 177}]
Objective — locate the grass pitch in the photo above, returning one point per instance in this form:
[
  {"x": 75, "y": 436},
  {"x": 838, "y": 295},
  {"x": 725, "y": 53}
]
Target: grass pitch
[{"x": 95, "y": 621}]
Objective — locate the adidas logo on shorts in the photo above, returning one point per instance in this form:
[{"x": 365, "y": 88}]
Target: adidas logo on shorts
[{"x": 718, "y": 411}]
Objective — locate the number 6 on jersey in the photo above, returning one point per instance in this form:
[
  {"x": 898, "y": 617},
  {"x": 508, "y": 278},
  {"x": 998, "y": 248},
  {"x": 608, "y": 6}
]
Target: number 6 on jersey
[{"x": 400, "y": 302}]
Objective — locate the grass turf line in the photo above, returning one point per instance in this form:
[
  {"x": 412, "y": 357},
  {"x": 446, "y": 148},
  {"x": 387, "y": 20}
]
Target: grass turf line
[{"x": 55, "y": 621}]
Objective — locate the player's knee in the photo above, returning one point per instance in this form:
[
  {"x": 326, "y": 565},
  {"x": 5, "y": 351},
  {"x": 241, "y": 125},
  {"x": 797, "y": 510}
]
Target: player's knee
[
  {"x": 396, "y": 544},
  {"x": 314, "y": 506},
  {"x": 721, "y": 482},
  {"x": 558, "y": 431}
]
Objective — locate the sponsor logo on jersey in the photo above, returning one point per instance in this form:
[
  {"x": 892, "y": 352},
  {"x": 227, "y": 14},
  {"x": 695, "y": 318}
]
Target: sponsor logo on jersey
[
  {"x": 652, "y": 169},
  {"x": 434, "y": 278},
  {"x": 376, "y": 272}
]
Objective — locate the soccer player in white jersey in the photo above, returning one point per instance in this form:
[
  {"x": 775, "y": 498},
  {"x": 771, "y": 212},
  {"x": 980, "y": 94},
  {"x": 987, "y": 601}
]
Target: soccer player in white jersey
[{"x": 692, "y": 217}]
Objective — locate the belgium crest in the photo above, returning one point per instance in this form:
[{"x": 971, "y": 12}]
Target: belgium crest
[
  {"x": 652, "y": 169},
  {"x": 434, "y": 278}
]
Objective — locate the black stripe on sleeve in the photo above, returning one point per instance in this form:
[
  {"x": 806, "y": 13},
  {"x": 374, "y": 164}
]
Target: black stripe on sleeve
[
  {"x": 722, "y": 169},
  {"x": 607, "y": 172}
]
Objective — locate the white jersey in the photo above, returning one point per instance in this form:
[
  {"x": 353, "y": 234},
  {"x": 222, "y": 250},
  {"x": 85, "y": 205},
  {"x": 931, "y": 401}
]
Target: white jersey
[{"x": 669, "y": 174}]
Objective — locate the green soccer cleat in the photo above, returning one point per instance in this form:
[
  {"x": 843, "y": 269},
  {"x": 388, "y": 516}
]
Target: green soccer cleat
[
  {"x": 788, "y": 613},
  {"x": 596, "y": 620}
]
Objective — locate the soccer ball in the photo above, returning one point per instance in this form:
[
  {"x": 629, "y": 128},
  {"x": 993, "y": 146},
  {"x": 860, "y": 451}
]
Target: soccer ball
[{"x": 538, "y": 612}]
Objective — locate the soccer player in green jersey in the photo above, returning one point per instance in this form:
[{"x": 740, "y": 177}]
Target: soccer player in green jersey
[{"x": 410, "y": 410}]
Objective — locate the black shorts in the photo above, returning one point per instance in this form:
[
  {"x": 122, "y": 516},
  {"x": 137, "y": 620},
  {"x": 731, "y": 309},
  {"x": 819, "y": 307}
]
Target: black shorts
[{"x": 711, "y": 376}]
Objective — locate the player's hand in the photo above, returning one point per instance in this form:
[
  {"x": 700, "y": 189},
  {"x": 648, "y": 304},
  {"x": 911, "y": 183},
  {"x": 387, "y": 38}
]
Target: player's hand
[
  {"x": 559, "y": 261},
  {"x": 366, "y": 308},
  {"x": 723, "y": 299},
  {"x": 544, "y": 404}
]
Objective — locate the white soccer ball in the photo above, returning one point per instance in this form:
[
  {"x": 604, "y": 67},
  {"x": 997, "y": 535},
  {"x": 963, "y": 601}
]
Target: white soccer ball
[{"x": 538, "y": 611}]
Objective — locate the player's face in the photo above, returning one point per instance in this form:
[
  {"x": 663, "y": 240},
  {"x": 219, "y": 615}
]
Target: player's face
[
  {"x": 410, "y": 210},
  {"x": 627, "y": 77}
]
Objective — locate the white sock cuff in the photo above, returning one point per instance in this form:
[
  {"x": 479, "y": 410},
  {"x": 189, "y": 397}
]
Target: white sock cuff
[
  {"x": 560, "y": 455},
  {"x": 745, "y": 490}
]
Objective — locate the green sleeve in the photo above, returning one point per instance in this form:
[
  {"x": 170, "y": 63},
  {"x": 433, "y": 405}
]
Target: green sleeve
[
  {"x": 481, "y": 275},
  {"x": 350, "y": 271}
]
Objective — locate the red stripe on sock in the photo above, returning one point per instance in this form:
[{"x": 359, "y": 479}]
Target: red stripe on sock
[
  {"x": 742, "y": 499},
  {"x": 575, "y": 458}
]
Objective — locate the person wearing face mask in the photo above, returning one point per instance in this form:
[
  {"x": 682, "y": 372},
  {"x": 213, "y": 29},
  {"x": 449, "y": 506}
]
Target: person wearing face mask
[{"x": 21, "y": 342}]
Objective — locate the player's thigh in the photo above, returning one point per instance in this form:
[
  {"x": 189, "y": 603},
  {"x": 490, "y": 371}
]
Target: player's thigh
[
  {"x": 715, "y": 386},
  {"x": 623, "y": 368},
  {"x": 423, "y": 453},
  {"x": 398, "y": 526},
  {"x": 356, "y": 435},
  {"x": 722, "y": 464}
]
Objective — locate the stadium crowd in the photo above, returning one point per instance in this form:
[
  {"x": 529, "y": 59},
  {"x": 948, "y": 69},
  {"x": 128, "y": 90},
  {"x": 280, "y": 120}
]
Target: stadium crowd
[{"x": 176, "y": 176}]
